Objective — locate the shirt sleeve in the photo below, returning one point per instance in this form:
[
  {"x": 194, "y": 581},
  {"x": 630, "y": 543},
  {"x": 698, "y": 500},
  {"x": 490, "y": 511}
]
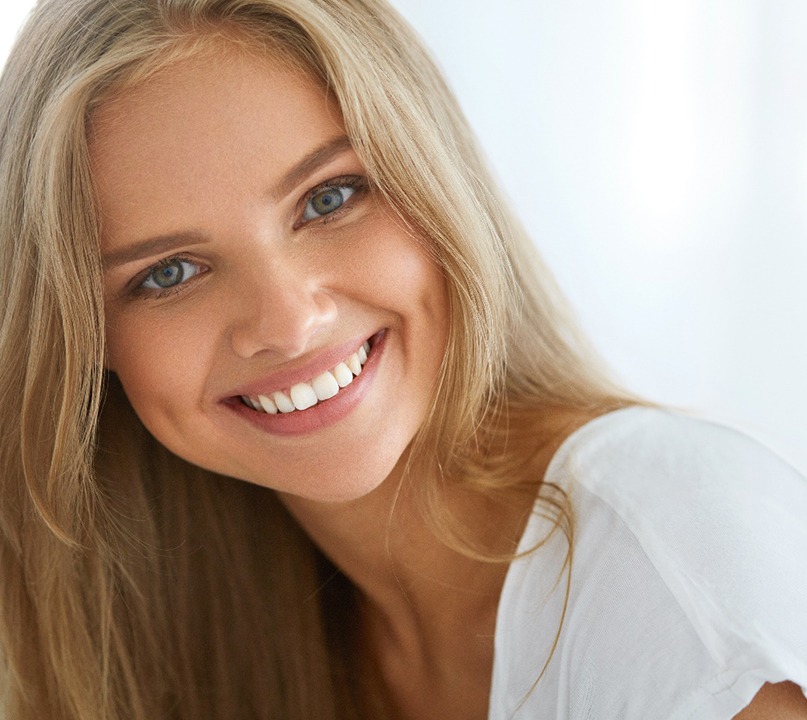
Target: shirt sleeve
[
  {"x": 688, "y": 588},
  {"x": 724, "y": 522}
]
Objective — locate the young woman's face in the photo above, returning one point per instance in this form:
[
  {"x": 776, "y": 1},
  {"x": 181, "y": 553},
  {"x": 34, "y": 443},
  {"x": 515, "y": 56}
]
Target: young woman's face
[{"x": 247, "y": 262}]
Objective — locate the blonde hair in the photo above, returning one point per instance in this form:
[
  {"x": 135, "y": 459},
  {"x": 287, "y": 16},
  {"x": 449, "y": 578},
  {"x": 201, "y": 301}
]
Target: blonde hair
[{"x": 132, "y": 582}]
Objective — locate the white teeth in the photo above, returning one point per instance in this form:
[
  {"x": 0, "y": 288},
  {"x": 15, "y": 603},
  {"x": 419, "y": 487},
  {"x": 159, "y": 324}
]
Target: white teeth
[
  {"x": 283, "y": 402},
  {"x": 343, "y": 375},
  {"x": 354, "y": 364},
  {"x": 325, "y": 386},
  {"x": 303, "y": 396},
  {"x": 267, "y": 404}
]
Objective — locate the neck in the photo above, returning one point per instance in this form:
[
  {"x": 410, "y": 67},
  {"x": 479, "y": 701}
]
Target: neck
[
  {"x": 383, "y": 543},
  {"x": 429, "y": 611},
  {"x": 388, "y": 549}
]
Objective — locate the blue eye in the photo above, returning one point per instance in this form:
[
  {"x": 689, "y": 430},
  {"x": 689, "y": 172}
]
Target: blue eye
[
  {"x": 326, "y": 201},
  {"x": 169, "y": 274}
]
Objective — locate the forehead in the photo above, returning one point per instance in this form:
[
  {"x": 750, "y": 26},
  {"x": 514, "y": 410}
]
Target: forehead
[
  {"x": 217, "y": 118},
  {"x": 181, "y": 95}
]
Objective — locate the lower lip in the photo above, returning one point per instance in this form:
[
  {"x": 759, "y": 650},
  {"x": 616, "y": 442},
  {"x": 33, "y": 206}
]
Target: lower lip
[{"x": 326, "y": 412}]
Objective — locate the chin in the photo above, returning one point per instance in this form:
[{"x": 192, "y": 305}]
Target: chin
[{"x": 330, "y": 488}]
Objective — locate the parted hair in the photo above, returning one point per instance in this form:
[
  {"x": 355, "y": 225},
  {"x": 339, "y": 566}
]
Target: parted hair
[{"x": 134, "y": 586}]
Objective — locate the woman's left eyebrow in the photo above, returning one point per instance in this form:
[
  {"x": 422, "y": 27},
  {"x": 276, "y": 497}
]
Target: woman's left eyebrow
[{"x": 318, "y": 157}]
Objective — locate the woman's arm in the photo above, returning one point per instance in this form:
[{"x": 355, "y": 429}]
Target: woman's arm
[{"x": 783, "y": 701}]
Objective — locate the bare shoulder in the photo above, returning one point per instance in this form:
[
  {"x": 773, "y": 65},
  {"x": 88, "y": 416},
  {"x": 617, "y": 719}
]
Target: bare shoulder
[{"x": 783, "y": 701}]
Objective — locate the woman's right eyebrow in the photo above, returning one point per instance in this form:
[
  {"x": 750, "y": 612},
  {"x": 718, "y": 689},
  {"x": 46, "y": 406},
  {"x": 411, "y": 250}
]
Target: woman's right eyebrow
[{"x": 157, "y": 245}]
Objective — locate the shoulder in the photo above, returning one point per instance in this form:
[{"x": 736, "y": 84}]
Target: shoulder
[
  {"x": 701, "y": 499},
  {"x": 666, "y": 474},
  {"x": 687, "y": 583},
  {"x": 708, "y": 522},
  {"x": 633, "y": 447}
]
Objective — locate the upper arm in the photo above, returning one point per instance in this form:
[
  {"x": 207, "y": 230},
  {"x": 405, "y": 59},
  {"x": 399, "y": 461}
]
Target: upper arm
[{"x": 783, "y": 701}]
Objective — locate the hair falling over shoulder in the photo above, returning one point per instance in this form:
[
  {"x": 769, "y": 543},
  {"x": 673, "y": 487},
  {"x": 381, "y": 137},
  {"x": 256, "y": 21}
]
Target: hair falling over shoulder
[{"x": 135, "y": 586}]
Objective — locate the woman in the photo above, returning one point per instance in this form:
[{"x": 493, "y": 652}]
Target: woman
[{"x": 296, "y": 425}]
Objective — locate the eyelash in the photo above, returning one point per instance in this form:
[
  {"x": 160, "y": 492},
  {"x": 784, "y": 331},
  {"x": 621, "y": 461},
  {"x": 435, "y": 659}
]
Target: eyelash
[
  {"x": 156, "y": 294},
  {"x": 355, "y": 183}
]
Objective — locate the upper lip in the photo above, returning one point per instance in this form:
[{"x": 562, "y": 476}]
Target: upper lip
[{"x": 315, "y": 365}]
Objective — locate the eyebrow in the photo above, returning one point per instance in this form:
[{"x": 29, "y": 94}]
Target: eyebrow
[
  {"x": 318, "y": 157},
  {"x": 161, "y": 244},
  {"x": 157, "y": 245}
]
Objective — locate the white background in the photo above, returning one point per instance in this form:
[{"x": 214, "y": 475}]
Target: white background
[{"x": 657, "y": 151}]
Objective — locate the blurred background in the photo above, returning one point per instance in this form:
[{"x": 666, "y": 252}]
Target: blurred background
[{"x": 657, "y": 152}]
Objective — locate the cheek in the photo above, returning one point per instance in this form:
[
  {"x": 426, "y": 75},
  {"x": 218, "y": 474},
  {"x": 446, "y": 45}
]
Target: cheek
[
  {"x": 158, "y": 363},
  {"x": 418, "y": 283},
  {"x": 396, "y": 267}
]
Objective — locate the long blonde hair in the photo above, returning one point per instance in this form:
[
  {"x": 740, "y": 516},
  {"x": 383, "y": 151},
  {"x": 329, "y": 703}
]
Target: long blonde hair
[{"x": 135, "y": 586}]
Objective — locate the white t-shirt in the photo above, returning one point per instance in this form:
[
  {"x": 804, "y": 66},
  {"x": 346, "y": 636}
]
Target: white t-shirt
[{"x": 689, "y": 578}]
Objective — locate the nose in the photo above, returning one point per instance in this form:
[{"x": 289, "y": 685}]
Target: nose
[{"x": 280, "y": 310}]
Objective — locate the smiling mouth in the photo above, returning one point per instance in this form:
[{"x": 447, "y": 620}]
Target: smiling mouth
[{"x": 304, "y": 395}]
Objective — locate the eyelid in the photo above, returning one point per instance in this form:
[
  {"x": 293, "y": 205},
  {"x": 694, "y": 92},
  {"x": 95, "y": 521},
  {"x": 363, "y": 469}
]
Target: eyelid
[
  {"x": 135, "y": 286},
  {"x": 358, "y": 183}
]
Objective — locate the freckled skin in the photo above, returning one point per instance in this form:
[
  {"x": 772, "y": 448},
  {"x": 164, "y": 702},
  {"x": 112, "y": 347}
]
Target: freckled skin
[{"x": 199, "y": 148}]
